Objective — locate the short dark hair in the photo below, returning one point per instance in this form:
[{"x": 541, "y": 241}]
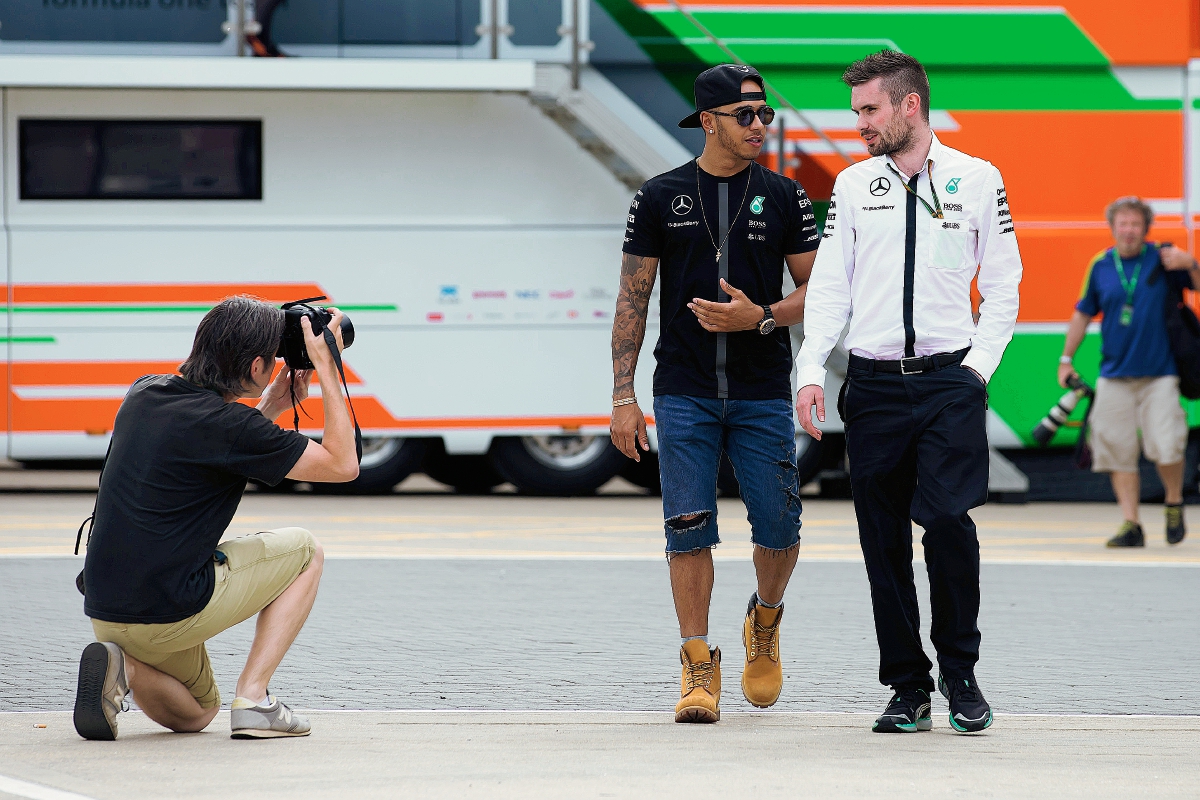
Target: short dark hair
[
  {"x": 902, "y": 75},
  {"x": 228, "y": 340}
]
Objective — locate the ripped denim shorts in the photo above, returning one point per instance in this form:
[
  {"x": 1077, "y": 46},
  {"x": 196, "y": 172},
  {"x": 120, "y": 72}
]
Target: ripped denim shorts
[{"x": 759, "y": 436}]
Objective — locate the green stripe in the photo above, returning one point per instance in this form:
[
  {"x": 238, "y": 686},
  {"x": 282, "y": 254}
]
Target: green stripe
[
  {"x": 89, "y": 309},
  {"x": 28, "y": 339},
  {"x": 81, "y": 309},
  {"x": 936, "y": 39},
  {"x": 1025, "y": 385},
  {"x": 987, "y": 61}
]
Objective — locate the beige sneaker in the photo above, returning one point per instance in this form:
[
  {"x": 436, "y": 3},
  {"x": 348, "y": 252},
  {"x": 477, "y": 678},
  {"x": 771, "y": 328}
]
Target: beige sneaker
[
  {"x": 252, "y": 721},
  {"x": 762, "y": 677},
  {"x": 102, "y": 691},
  {"x": 700, "y": 686}
]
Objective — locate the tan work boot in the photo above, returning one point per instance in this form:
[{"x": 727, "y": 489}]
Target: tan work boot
[
  {"x": 700, "y": 689},
  {"x": 762, "y": 678}
]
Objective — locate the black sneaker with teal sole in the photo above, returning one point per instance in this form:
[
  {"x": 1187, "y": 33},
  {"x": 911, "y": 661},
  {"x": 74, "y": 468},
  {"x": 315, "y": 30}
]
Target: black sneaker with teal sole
[
  {"x": 969, "y": 712},
  {"x": 908, "y": 712}
]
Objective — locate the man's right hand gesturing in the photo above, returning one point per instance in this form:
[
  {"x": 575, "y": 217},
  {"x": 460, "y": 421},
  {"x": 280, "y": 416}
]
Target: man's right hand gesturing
[
  {"x": 806, "y": 398},
  {"x": 628, "y": 431}
]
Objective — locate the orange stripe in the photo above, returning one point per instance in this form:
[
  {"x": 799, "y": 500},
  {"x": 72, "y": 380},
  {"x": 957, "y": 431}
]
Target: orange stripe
[
  {"x": 96, "y": 416},
  {"x": 104, "y": 373},
  {"x": 373, "y": 414},
  {"x": 160, "y": 293},
  {"x": 1056, "y": 262},
  {"x": 86, "y": 373}
]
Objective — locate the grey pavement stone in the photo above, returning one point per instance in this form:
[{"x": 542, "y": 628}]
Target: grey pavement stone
[
  {"x": 600, "y": 634},
  {"x": 603, "y": 754}
]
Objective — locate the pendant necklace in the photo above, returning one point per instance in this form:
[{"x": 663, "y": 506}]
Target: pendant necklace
[{"x": 704, "y": 216}]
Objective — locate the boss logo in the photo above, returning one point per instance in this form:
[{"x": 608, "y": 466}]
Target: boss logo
[
  {"x": 953, "y": 206},
  {"x": 757, "y": 223}
]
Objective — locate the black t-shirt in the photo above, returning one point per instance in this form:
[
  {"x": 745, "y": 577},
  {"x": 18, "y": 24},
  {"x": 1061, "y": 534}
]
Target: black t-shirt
[
  {"x": 175, "y": 474},
  {"x": 667, "y": 220}
]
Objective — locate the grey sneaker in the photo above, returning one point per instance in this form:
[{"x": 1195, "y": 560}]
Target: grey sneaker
[
  {"x": 250, "y": 721},
  {"x": 102, "y": 692}
]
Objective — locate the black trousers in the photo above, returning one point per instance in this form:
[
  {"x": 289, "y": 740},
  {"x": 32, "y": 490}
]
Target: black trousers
[{"x": 918, "y": 452}]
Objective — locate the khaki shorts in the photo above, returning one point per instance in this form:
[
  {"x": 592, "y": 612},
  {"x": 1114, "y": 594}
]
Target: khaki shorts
[
  {"x": 257, "y": 569},
  {"x": 1126, "y": 406}
]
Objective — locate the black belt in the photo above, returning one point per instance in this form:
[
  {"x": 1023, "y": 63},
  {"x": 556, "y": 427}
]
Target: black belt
[{"x": 909, "y": 366}]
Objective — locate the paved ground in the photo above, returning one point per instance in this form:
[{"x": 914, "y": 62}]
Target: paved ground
[
  {"x": 435, "y": 607},
  {"x": 426, "y": 523},
  {"x": 613, "y": 755}
]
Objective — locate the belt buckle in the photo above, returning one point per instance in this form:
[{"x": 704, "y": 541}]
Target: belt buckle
[{"x": 920, "y": 366}]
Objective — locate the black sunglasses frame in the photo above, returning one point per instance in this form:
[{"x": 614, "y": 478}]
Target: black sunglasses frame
[{"x": 745, "y": 116}]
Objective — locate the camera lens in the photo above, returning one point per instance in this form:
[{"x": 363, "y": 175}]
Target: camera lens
[{"x": 347, "y": 331}]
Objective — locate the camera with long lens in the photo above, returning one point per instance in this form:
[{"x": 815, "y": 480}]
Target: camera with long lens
[
  {"x": 291, "y": 348},
  {"x": 1057, "y": 416}
]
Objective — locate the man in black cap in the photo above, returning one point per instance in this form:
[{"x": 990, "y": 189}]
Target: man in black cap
[{"x": 722, "y": 228}]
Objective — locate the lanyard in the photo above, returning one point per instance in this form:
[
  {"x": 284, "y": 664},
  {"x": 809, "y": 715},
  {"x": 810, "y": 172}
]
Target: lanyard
[
  {"x": 935, "y": 210},
  {"x": 1130, "y": 286}
]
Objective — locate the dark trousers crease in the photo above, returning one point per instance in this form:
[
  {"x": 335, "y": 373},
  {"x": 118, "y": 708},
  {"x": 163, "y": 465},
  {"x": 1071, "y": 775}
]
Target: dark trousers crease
[{"x": 918, "y": 452}]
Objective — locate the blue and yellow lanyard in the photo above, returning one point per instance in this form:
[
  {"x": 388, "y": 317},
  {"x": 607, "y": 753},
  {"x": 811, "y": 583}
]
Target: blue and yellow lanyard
[
  {"x": 935, "y": 210},
  {"x": 1130, "y": 286}
]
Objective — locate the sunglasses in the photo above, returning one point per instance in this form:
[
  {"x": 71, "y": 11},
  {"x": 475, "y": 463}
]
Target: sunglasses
[{"x": 745, "y": 116}]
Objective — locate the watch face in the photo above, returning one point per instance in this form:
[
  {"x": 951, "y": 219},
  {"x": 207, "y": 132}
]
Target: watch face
[{"x": 766, "y": 326}]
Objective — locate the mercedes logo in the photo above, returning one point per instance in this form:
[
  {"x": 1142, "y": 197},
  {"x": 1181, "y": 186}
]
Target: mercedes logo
[
  {"x": 880, "y": 186},
  {"x": 682, "y": 205}
]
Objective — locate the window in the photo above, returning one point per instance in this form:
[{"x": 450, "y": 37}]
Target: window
[{"x": 141, "y": 159}]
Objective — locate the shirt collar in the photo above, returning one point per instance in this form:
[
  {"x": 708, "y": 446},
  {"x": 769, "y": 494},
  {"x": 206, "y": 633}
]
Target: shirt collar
[{"x": 936, "y": 155}]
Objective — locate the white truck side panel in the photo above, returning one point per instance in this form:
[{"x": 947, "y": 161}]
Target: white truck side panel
[{"x": 492, "y": 233}]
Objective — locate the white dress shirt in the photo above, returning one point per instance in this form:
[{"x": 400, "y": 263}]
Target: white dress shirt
[{"x": 859, "y": 270}]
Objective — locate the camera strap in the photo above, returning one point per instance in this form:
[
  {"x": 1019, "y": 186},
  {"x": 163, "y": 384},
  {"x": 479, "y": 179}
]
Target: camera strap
[
  {"x": 91, "y": 520},
  {"x": 337, "y": 359}
]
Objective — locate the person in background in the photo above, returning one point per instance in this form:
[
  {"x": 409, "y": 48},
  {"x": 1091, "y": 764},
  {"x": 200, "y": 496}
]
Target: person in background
[{"x": 1137, "y": 393}]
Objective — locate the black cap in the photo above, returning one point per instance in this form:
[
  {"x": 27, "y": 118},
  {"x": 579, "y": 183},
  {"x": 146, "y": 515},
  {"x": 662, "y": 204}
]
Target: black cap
[{"x": 719, "y": 86}]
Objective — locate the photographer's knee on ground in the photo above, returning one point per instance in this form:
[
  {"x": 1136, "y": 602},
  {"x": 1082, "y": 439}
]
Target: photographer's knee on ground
[{"x": 158, "y": 580}]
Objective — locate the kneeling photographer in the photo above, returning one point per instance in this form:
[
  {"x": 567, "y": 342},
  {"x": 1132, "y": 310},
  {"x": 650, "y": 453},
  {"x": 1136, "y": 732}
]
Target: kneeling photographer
[{"x": 158, "y": 581}]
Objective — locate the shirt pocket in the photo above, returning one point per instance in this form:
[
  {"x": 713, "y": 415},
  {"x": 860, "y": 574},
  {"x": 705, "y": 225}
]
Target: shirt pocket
[{"x": 948, "y": 239}]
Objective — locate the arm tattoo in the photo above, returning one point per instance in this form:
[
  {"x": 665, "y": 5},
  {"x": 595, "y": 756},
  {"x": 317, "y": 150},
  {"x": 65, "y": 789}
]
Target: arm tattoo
[{"x": 629, "y": 323}]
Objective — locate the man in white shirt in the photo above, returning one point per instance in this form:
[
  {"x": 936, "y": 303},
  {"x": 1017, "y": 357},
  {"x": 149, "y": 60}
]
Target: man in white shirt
[{"x": 906, "y": 233}]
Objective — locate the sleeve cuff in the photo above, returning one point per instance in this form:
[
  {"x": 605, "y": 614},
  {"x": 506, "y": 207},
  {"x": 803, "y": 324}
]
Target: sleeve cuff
[
  {"x": 982, "y": 363},
  {"x": 810, "y": 375}
]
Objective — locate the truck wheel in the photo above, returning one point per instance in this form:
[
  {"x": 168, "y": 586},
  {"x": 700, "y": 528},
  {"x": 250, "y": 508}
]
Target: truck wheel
[
  {"x": 385, "y": 462},
  {"x": 467, "y": 474},
  {"x": 643, "y": 473},
  {"x": 556, "y": 465}
]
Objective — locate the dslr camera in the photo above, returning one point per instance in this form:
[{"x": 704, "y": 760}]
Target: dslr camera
[
  {"x": 291, "y": 348},
  {"x": 1057, "y": 415}
]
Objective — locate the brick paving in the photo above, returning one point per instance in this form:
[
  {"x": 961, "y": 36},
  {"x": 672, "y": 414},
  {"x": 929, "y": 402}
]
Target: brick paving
[{"x": 560, "y": 634}]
